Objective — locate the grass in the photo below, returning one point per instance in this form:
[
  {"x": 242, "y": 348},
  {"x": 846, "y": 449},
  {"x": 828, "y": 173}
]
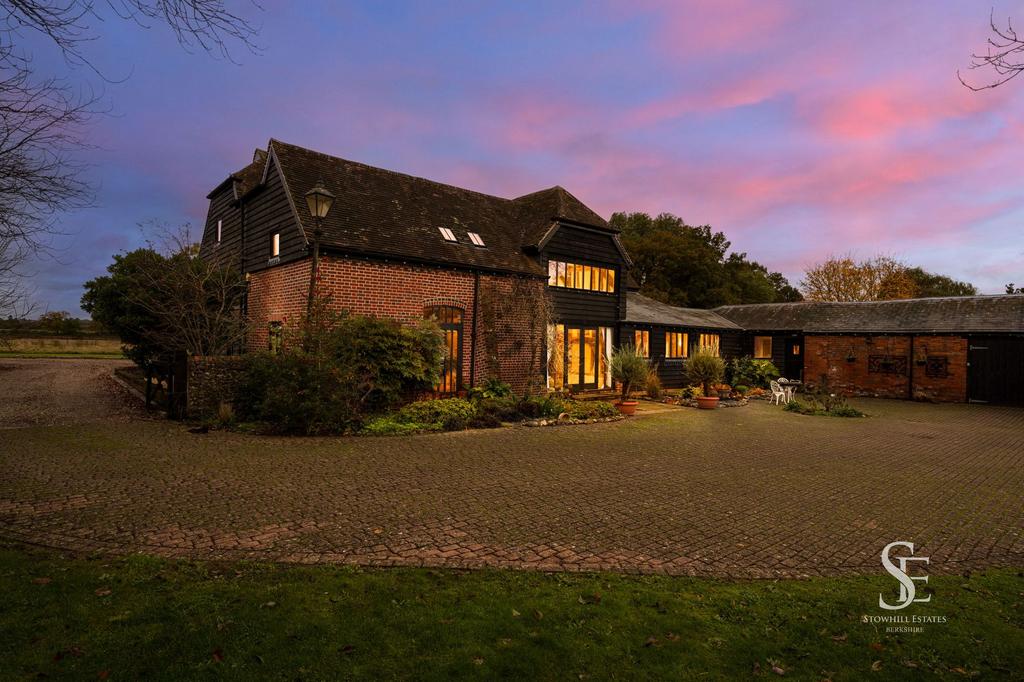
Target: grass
[
  {"x": 86, "y": 347},
  {"x": 142, "y": 617}
]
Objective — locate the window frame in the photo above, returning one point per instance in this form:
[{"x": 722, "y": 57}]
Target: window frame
[
  {"x": 476, "y": 239},
  {"x": 677, "y": 345},
  {"x": 716, "y": 345},
  {"x": 581, "y": 277},
  {"x": 642, "y": 341},
  {"x": 275, "y": 245},
  {"x": 448, "y": 235},
  {"x": 220, "y": 230}
]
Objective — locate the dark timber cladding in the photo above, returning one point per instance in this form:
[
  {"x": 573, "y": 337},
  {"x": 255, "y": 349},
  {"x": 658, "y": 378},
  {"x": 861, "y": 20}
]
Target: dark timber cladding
[{"x": 581, "y": 246}]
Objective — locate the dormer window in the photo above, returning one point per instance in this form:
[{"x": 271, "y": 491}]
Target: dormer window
[
  {"x": 448, "y": 235},
  {"x": 476, "y": 239}
]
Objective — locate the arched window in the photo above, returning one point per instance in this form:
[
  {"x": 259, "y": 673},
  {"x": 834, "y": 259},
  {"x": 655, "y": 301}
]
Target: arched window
[{"x": 449, "y": 318}]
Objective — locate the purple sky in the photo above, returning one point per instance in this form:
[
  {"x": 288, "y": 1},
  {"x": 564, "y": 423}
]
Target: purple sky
[{"x": 798, "y": 128}]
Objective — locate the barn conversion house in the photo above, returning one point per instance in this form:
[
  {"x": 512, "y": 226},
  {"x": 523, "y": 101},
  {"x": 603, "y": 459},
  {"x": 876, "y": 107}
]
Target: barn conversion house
[{"x": 408, "y": 248}]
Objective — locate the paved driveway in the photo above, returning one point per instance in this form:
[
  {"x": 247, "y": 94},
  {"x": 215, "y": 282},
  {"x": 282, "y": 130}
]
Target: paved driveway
[{"x": 745, "y": 492}]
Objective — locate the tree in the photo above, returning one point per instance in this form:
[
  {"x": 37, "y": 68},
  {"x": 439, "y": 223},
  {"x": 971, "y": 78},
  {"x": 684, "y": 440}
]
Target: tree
[
  {"x": 1004, "y": 55},
  {"x": 844, "y": 279},
  {"x": 685, "y": 265},
  {"x": 60, "y": 322},
  {"x": 930, "y": 284},
  {"x": 161, "y": 303},
  {"x": 43, "y": 119},
  {"x": 1011, "y": 290}
]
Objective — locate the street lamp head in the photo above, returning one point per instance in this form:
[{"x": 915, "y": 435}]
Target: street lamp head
[{"x": 319, "y": 200}]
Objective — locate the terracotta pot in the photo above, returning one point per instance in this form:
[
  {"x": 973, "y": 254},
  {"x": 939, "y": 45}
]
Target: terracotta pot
[
  {"x": 626, "y": 407},
  {"x": 707, "y": 402}
]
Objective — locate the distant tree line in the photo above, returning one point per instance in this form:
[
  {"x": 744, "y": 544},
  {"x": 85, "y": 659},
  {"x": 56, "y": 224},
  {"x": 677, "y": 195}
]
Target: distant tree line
[{"x": 842, "y": 278}]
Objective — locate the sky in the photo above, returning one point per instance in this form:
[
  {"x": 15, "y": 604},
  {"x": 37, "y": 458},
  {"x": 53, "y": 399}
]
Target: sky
[{"x": 799, "y": 128}]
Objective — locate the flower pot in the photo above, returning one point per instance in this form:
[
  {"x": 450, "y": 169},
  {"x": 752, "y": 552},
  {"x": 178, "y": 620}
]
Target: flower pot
[
  {"x": 707, "y": 402},
  {"x": 723, "y": 394},
  {"x": 626, "y": 407}
]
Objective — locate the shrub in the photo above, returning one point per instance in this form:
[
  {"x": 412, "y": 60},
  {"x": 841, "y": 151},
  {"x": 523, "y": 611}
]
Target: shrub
[
  {"x": 705, "y": 369},
  {"x": 742, "y": 390},
  {"x": 334, "y": 369},
  {"x": 654, "y": 389},
  {"x": 485, "y": 421},
  {"x": 691, "y": 392},
  {"x": 535, "y": 407},
  {"x": 502, "y": 409},
  {"x": 389, "y": 426},
  {"x": 629, "y": 368},
  {"x": 448, "y": 414},
  {"x": 751, "y": 372},
  {"x": 814, "y": 408},
  {"x": 491, "y": 388},
  {"x": 591, "y": 409}
]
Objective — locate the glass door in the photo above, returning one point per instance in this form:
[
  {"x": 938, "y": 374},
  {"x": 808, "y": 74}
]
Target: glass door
[{"x": 584, "y": 354}]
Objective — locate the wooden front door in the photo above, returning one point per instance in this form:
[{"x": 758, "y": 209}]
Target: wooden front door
[
  {"x": 794, "y": 365},
  {"x": 995, "y": 370}
]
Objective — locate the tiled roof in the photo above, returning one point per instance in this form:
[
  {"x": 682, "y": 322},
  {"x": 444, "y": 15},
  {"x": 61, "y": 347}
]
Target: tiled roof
[
  {"x": 643, "y": 310},
  {"x": 1004, "y": 313},
  {"x": 384, "y": 213}
]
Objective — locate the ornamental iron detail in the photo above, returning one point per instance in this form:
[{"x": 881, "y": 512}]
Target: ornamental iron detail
[
  {"x": 887, "y": 364},
  {"x": 937, "y": 366}
]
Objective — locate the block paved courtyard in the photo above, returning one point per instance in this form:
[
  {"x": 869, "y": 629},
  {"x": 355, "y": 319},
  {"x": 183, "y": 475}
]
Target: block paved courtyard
[{"x": 744, "y": 492}]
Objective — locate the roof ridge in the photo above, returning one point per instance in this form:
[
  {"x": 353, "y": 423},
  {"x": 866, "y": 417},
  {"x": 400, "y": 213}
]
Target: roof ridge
[
  {"x": 888, "y": 300},
  {"x": 393, "y": 172}
]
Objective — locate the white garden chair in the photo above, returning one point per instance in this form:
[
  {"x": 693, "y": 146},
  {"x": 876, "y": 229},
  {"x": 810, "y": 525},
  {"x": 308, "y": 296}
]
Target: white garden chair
[{"x": 778, "y": 393}]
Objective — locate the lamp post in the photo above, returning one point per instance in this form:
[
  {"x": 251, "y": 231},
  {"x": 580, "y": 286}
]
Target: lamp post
[{"x": 319, "y": 201}]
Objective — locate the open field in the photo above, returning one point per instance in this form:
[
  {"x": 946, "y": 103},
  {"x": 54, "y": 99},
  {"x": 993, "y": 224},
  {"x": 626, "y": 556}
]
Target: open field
[
  {"x": 146, "y": 618},
  {"x": 60, "y": 346}
]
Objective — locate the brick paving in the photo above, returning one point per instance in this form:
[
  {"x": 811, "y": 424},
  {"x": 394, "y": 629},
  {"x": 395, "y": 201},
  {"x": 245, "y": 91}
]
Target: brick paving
[{"x": 745, "y": 492}]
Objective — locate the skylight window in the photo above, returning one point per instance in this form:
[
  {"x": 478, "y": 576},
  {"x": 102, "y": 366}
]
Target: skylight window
[
  {"x": 448, "y": 235},
  {"x": 476, "y": 239}
]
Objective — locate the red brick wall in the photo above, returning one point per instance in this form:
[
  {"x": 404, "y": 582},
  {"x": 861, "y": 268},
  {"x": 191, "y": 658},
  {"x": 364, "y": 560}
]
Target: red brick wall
[
  {"x": 828, "y": 355},
  {"x": 383, "y": 290}
]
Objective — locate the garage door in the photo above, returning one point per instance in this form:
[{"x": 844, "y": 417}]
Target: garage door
[{"x": 995, "y": 371}]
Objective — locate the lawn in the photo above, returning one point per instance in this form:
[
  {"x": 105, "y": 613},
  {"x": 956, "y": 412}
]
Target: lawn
[
  {"x": 84, "y": 347},
  {"x": 142, "y": 617}
]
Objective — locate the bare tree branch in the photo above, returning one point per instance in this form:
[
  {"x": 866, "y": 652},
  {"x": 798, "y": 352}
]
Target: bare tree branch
[{"x": 1004, "y": 55}]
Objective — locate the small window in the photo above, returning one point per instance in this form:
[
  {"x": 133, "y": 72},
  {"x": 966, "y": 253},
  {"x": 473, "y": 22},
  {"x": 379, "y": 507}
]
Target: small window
[
  {"x": 275, "y": 334},
  {"x": 448, "y": 235},
  {"x": 676, "y": 345},
  {"x": 642, "y": 341},
  {"x": 275, "y": 245},
  {"x": 220, "y": 225},
  {"x": 763, "y": 347},
  {"x": 476, "y": 239},
  {"x": 796, "y": 349}
]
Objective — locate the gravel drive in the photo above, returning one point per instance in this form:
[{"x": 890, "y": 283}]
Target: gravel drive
[{"x": 51, "y": 392}]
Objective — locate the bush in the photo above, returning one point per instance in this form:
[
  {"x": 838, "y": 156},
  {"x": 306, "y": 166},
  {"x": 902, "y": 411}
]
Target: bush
[
  {"x": 629, "y": 368},
  {"x": 536, "y": 407},
  {"x": 334, "y": 370},
  {"x": 654, "y": 389},
  {"x": 447, "y": 414},
  {"x": 814, "y": 408},
  {"x": 389, "y": 426},
  {"x": 591, "y": 409},
  {"x": 750, "y": 372},
  {"x": 502, "y": 409},
  {"x": 705, "y": 369},
  {"x": 491, "y": 388},
  {"x": 485, "y": 421},
  {"x": 692, "y": 392},
  {"x": 742, "y": 390}
]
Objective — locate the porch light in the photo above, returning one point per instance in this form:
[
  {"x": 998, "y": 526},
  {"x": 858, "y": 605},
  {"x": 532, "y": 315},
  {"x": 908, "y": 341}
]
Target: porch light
[{"x": 319, "y": 199}]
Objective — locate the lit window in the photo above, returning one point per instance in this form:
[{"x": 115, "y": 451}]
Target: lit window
[
  {"x": 676, "y": 345},
  {"x": 275, "y": 245},
  {"x": 475, "y": 238},
  {"x": 642, "y": 341},
  {"x": 220, "y": 224},
  {"x": 710, "y": 342},
  {"x": 796, "y": 349},
  {"x": 578, "y": 276},
  {"x": 448, "y": 235},
  {"x": 763, "y": 347}
]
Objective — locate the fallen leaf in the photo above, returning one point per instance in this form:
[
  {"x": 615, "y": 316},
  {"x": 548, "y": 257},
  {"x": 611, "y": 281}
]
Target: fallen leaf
[
  {"x": 42, "y": 581},
  {"x": 876, "y": 666},
  {"x": 839, "y": 638},
  {"x": 877, "y": 646},
  {"x": 478, "y": 660},
  {"x": 269, "y": 605},
  {"x": 910, "y": 664},
  {"x": 217, "y": 655},
  {"x": 651, "y": 641},
  {"x": 515, "y": 614},
  {"x": 960, "y": 671},
  {"x": 777, "y": 670},
  {"x": 103, "y": 592},
  {"x": 538, "y": 615}
]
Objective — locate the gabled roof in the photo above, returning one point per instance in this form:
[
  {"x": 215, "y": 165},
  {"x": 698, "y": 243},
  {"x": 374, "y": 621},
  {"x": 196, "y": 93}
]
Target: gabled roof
[
  {"x": 540, "y": 211},
  {"x": 955, "y": 314},
  {"x": 643, "y": 310},
  {"x": 387, "y": 214}
]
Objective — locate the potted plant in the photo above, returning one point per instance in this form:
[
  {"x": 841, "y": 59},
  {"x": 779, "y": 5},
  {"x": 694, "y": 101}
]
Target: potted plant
[
  {"x": 629, "y": 369},
  {"x": 723, "y": 390},
  {"x": 705, "y": 369}
]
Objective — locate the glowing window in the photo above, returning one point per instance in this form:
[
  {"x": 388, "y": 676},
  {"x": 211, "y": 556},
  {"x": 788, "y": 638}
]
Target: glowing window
[
  {"x": 448, "y": 235},
  {"x": 220, "y": 224},
  {"x": 476, "y": 239},
  {"x": 710, "y": 342},
  {"x": 275, "y": 244},
  {"x": 642, "y": 341},
  {"x": 676, "y": 345},
  {"x": 763, "y": 347}
]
